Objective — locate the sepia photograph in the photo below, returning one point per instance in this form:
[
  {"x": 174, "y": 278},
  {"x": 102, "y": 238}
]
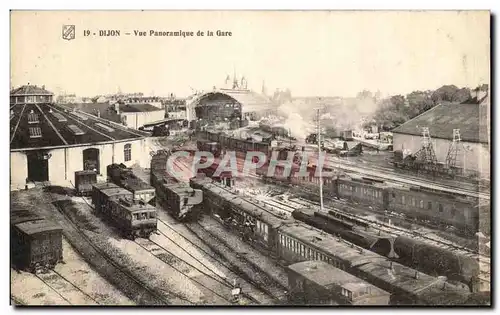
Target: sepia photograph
[{"x": 246, "y": 158}]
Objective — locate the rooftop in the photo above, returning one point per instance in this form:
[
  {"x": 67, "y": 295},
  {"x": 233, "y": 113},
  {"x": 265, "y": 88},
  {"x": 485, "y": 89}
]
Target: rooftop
[
  {"x": 132, "y": 206},
  {"x": 349, "y": 253},
  {"x": 138, "y": 108},
  {"x": 114, "y": 191},
  {"x": 30, "y": 90},
  {"x": 34, "y": 126},
  {"x": 38, "y": 226},
  {"x": 471, "y": 119},
  {"x": 20, "y": 216},
  {"x": 326, "y": 275}
]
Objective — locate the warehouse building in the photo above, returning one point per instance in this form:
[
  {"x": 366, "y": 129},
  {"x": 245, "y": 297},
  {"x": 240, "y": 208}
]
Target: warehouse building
[
  {"x": 132, "y": 115},
  {"x": 50, "y": 142},
  {"x": 472, "y": 152}
]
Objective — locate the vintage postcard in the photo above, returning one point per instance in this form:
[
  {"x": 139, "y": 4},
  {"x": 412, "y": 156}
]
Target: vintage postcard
[{"x": 250, "y": 158}]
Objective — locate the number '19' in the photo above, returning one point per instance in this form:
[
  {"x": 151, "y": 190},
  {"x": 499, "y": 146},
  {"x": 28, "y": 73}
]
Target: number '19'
[{"x": 86, "y": 33}]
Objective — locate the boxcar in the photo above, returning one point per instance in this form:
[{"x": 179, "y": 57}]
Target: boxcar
[
  {"x": 35, "y": 242},
  {"x": 317, "y": 282},
  {"x": 84, "y": 181},
  {"x": 182, "y": 201}
]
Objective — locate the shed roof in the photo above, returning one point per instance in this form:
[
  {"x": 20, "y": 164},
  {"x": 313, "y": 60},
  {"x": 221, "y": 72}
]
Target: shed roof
[
  {"x": 20, "y": 216},
  {"x": 471, "y": 119},
  {"x": 30, "y": 90},
  {"x": 38, "y": 226},
  {"x": 35, "y": 126}
]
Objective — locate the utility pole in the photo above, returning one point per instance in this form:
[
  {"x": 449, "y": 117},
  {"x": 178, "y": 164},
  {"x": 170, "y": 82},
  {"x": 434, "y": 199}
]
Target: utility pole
[{"x": 320, "y": 164}]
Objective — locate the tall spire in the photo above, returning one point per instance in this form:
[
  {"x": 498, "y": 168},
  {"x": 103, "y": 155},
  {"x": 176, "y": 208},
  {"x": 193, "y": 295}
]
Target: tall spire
[
  {"x": 235, "y": 80},
  {"x": 264, "y": 90}
]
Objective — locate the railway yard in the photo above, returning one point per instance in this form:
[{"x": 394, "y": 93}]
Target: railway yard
[{"x": 226, "y": 256}]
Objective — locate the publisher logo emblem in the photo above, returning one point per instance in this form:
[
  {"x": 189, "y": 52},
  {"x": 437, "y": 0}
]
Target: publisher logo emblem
[{"x": 68, "y": 32}]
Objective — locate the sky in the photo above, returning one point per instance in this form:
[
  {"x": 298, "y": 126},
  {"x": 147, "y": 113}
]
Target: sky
[{"x": 313, "y": 53}]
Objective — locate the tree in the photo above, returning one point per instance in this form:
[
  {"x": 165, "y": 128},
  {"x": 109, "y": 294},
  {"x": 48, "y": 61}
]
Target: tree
[
  {"x": 418, "y": 102},
  {"x": 364, "y": 94},
  {"x": 445, "y": 93},
  {"x": 398, "y": 101},
  {"x": 461, "y": 96}
]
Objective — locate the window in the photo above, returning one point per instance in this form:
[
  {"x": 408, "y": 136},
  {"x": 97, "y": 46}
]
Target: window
[
  {"x": 429, "y": 205},
  {"x": 421, "y": 204},
  {"x": 440, "y": 207},
  {"x": 453, "y": 212},
  {"x": 127, "y": 152},
  {"x": 402, "y": 199}
]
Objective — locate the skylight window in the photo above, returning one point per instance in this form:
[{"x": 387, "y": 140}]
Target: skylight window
[
  {"x": 75, "y": 130},
  {"x": 102, "y": 126},
  {"x": 35, "y": 132},
  {"x": 33, "y": 118}
]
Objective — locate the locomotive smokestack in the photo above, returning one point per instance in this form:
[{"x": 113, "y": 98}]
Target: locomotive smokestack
[{"x": 416, "y": 274}]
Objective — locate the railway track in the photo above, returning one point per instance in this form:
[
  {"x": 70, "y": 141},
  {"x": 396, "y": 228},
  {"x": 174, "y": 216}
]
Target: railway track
[
  {"x": 55, "y": 281},
  {"x": 398, "y": 178},
  {"x": 149, "y": 295},
  {"x": 256, "y": 276},
  {"x": 396, "y": 231},
  {"x": 252, "y": 296},
  {"x": 166, "y": 256}
]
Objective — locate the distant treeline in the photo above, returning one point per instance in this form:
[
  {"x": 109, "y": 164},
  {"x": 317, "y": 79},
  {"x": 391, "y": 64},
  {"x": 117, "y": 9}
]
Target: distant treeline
[{"x": 398, "y": 109}]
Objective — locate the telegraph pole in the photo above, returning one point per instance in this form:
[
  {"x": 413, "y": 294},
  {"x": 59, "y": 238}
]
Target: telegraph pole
[{"x": 320, "y": 164}]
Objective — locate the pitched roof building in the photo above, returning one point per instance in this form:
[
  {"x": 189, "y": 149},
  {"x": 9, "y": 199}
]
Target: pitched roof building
[
  {"x": 471, "y": 121},
  {"x": 30, "y": 94},
  {"x": 50, "y": 142}
]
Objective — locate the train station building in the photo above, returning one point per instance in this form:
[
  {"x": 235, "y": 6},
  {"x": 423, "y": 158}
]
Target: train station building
[
  {"x": 223, "y": 105},
  {"x": 50, "y": 142},
  {"x": 472, "y": 153}
]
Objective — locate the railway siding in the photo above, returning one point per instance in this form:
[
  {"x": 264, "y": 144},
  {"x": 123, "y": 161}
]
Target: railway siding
[
  {"x": 241, "y": 264},
  {"x": 196, "y": 244},
  {"x": 249, "y": 254}
]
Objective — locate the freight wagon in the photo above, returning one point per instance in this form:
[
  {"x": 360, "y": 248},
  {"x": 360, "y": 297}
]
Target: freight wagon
[{"x": 36, "y": 243}]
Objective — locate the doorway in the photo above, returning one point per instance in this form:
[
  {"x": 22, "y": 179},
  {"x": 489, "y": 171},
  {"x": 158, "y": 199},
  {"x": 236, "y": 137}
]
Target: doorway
[
  {"x": 38, "y": 167},
  {"x": 91, "y": 160}
]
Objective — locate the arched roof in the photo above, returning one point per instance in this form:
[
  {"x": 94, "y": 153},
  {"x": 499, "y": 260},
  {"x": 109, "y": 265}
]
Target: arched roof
[{"x": 249, "y": 100}]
